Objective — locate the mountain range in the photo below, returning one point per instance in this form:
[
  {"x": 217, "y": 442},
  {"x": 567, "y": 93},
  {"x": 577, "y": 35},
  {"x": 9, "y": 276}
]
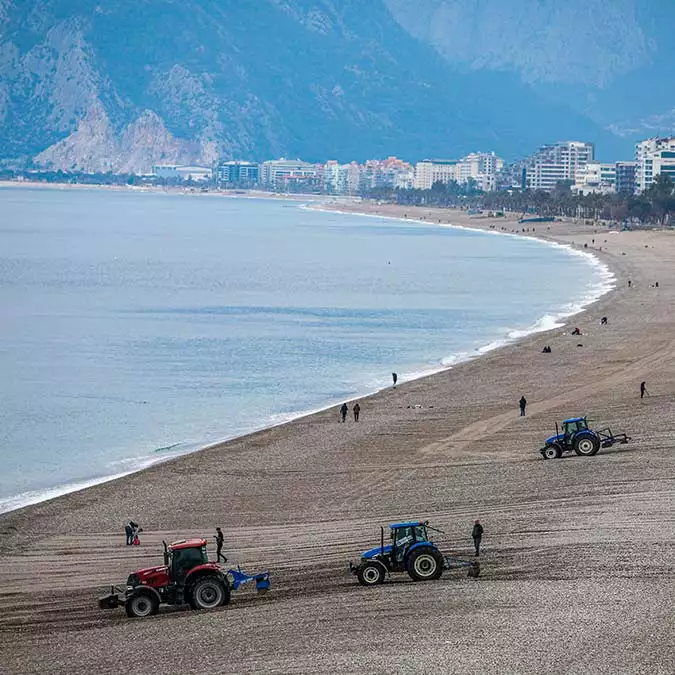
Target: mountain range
[{"x": 120, "y": 86}]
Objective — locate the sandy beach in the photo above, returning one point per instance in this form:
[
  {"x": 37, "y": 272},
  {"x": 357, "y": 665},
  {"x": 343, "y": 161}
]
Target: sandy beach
[{"x": 577, "y": 568}]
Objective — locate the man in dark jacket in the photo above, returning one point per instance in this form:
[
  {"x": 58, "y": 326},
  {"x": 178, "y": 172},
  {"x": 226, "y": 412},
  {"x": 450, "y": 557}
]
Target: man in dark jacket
[
  {"x": 219, "y": 545},
  {"x": 343, "y": 412},
  {"x": 477, "y": 534},
  {"x": 130, "y": 534},
  {"x": 522, "y": 403}
]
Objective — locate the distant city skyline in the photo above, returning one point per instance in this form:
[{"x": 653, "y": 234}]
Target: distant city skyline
[{"x": 571, "y": 162}]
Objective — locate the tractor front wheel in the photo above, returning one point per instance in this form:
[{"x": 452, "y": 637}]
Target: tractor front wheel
[
  {"x": 371, "y": 573},
  {"x": 552, "y": 452},
  {"x": 208, "y": 593},
  {"x": 586, "y": 445},
  {"x": 141, "y": 605},
  {"x": 424, "y": 564}
]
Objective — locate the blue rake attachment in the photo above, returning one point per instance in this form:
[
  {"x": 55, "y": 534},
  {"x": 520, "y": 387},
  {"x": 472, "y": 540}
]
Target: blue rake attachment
[{"x": 238, "y": 577}]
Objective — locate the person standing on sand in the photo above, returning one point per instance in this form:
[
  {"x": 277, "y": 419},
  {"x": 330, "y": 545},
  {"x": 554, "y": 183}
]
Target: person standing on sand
[
  {"x": 643, "y": 389},
  {"x": 219, "y": 545},
  {"x": 522, "y": 403},
  {"x": 357, "y": 412},
  {"x": 130, "y": 534},
  {"x": 343, "y": 412},
  {"x": 394, "y": 377},
  {"x": 477, "y": 535}
]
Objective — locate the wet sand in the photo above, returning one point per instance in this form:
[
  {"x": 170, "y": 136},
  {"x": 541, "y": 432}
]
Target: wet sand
[{"x": 578, "y": 552}]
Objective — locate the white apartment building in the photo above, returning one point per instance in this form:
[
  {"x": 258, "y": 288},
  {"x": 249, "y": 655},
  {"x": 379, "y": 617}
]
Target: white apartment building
[
  {"x": 430, "y": 171},
  {"x": 595, "y": 178},
  {"x": 282, "y": 172},
  {"x": 175, "y": 172},
  {"x": 336, "y": 177},
  {"x": 557, "y": 162},
  {"x": 653, "y": 157},
  {"x": 482, "y": 167}
]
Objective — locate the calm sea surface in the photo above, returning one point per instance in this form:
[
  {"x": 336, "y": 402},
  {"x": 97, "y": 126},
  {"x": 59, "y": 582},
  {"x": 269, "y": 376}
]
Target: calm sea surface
[{"x": 137, "y": 326}]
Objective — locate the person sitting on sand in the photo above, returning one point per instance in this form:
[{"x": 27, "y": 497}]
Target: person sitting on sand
[
  {"x": 603, "y": 321},
  {"x": 576, "y": 331}
]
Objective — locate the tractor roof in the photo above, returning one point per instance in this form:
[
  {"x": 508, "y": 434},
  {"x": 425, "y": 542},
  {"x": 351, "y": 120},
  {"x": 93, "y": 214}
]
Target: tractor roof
[
  {"x": 413, "y": 523},
  {"x": 574, "y": 419},
  {"x": 187, "y": 543}
]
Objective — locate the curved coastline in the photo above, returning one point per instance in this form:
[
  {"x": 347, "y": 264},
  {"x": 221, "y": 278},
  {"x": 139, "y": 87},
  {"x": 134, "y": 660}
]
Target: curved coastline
[
  {"x": 548, "y": 322},
  {"x": 572, "y": 542}
]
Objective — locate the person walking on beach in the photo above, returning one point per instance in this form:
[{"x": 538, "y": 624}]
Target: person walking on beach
[
  {"x": 522, "y": 403},
  {"x": 394, "y": 377},
  {"x": 343, "y": 412},
  {"x": 477, "y": 534},
  {"x": 219, "y": 545},
  {"x": 643, "y": 389},
  {"x": 357, "y": 412},
  {"x": 128, "y": 530}
]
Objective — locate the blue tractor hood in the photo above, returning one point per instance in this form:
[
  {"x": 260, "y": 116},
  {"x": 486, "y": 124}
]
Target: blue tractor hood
[
  {"x": 552, "y": 439},
  {"x": 375, "y": 551}
]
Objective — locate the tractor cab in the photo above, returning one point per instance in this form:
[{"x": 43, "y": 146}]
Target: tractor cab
[
  {"x": 183, "y": 556},
  {"x": 574, "y": 425},
  {"x": 403, "y": 536}
]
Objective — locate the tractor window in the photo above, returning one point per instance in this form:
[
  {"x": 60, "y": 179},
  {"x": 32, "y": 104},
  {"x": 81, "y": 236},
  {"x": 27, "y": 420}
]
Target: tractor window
[
  {"x": 421, "y": 533},
  {"x": 403, "y": 536},
  {"x": 184, "y": 559},
  {"x": 573, "y": 427}
]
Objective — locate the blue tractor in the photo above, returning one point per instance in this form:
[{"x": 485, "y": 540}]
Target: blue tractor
[
  {"x": 412, "y": 551},
  {"x": 575, "y": 435}
]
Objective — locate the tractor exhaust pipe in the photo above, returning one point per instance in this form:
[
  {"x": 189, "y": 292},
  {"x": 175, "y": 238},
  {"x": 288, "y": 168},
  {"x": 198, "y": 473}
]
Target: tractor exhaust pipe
[{"x": 382, "y": 541}]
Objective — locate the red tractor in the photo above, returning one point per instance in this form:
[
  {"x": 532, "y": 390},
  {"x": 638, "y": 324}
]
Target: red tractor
[{"x": 186, "y": 577}]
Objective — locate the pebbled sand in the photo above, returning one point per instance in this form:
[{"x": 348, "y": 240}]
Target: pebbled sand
[{"x": 578, "y": 553}]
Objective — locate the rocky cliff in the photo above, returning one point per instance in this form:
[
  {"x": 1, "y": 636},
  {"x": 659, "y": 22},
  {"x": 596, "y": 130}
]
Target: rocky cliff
[{"x": 122, "y": 85}]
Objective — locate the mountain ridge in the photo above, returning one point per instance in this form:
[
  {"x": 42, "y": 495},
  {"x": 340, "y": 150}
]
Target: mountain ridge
[{"x": 121, "y": 87}]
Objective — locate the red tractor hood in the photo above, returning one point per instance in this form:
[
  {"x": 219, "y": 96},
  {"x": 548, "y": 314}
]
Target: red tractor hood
[{"x": 151, "y": 572}]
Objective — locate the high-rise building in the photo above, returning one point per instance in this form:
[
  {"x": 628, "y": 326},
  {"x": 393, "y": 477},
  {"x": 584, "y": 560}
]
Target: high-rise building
[
  {"x": 238, "y": 173},
  {"x": 430, "y": 171},
  {"x": 653, "y": 157},
  {"x": 557, "y": 162},
  {"x": 626, "y": 177},
  {"x": 336, "y": 177},
  {"x": 480, "y": 167}
]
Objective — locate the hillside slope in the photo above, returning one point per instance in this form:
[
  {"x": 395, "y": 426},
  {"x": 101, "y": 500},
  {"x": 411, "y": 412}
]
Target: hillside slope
[{"x": 123, "y": 85}]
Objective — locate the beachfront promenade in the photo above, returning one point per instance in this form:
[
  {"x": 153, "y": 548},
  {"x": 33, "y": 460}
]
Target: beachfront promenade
[{"x": 578, "y": 553}]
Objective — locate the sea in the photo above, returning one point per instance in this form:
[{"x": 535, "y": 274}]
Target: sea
[{"x": 138, "y": 326}]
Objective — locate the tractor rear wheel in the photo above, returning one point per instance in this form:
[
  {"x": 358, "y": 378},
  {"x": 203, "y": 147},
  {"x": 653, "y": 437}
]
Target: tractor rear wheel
[
  {"x": 371, "y": 573},
  {"x": 209, "y": 592},
  {"x": 141, "y": 605},
  {"x": 586, "y": 445},
  {"x": 552, "y": 452},
  {"x": 424, "y": 564}
]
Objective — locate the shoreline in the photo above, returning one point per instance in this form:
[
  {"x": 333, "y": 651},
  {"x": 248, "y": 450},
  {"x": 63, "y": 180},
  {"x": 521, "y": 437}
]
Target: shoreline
[
  {"x": 580, "y": 547},
  {"x": 556, "y": 319}
]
